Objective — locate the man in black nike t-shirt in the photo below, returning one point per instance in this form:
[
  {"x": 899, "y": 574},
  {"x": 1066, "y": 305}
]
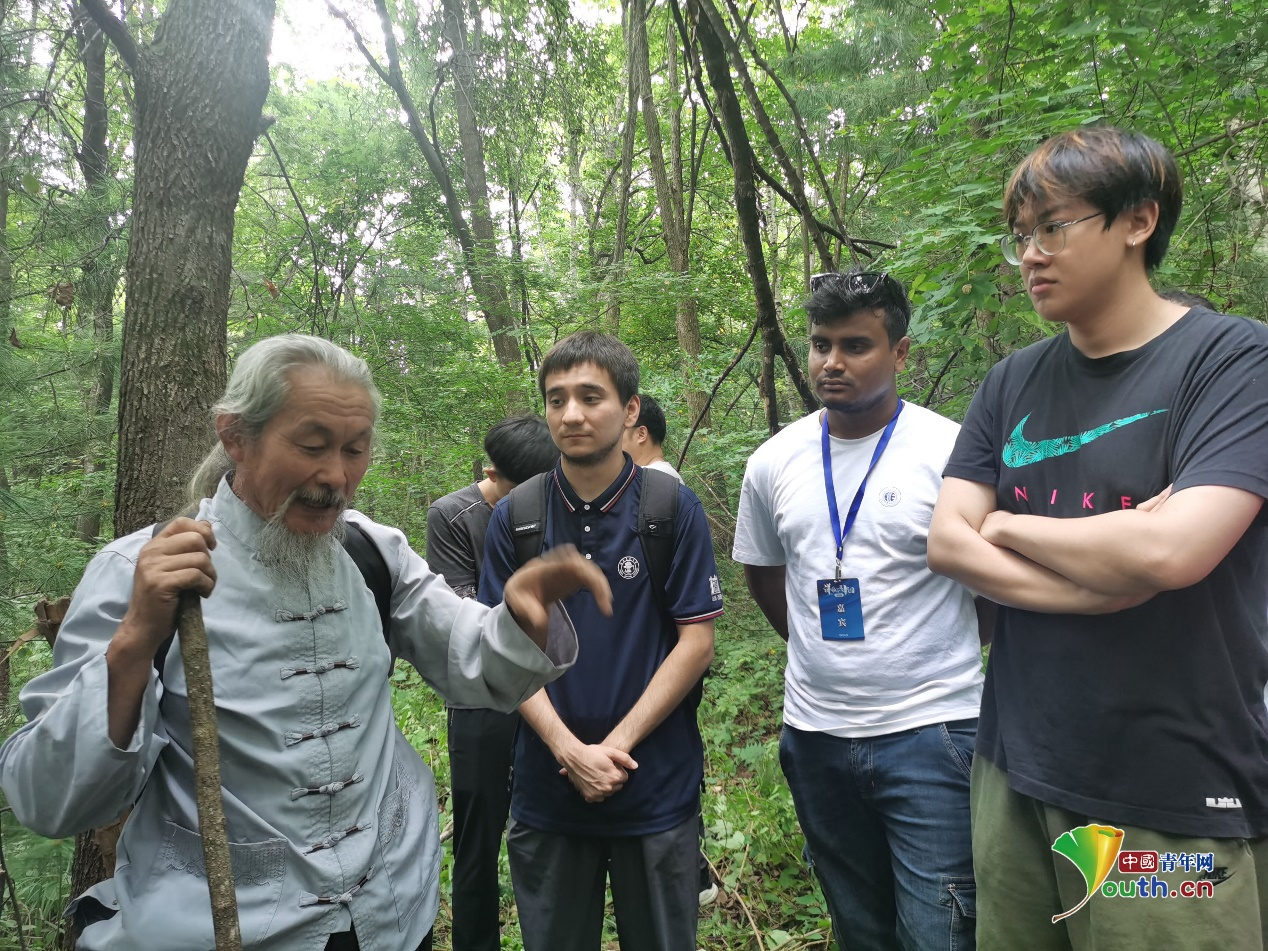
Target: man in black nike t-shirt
[{"x": 1107, "y": 489}]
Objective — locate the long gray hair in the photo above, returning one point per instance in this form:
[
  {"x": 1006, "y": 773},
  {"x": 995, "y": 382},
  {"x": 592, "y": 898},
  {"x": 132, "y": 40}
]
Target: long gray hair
[{"x": 260, "y": 386}]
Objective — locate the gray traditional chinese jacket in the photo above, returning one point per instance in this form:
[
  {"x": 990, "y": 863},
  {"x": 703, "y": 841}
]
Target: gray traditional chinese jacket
[{"x": 331, "y": 814}]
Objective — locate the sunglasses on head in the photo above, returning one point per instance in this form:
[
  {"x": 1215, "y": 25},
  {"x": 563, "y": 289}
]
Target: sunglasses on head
[{"x": 859, "y": 282}]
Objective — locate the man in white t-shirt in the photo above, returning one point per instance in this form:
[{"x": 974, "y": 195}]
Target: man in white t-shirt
[
  {"x": 643, "y": 440},
  {"x": 883, "y": 682}
]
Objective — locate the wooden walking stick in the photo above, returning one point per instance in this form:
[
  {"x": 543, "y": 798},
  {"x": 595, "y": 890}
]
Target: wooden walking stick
[{"x": 206, "y": 750}]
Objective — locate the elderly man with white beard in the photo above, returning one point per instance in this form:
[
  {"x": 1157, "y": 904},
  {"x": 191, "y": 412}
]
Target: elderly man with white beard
[{"x": 331, "y": 815}]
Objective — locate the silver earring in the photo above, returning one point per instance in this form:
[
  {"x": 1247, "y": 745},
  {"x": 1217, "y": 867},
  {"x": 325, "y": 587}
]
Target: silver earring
[{"x": 1133, "y": 244}]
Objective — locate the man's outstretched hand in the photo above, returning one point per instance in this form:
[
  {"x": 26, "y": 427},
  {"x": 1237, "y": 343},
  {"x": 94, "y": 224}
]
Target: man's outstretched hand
[{"x": 530, "y": 592}]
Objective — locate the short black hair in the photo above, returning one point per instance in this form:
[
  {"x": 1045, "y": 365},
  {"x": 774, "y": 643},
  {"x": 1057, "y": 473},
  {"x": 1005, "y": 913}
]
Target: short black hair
[
  {"x": 1188, "y": 299},
  {"x": 520, "y": 447},
  {"x": 652, "y": 416},
  {"x": 835, "y": 297},
  {"x": 1112, "y": 169},
  {"x": 590, "y": 346}
]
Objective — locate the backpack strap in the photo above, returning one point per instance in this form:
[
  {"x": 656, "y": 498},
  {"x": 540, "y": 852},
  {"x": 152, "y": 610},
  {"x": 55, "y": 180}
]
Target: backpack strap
[
  {"x": 373, "y": 567},
  {"x": 657, "y": 518},
  {"x": 365, "y": 555},
  {"x": 526, "y": 509}
]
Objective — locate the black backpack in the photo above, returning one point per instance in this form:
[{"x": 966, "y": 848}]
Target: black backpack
[
  {"x": 657, "y": 515},
  {"x": 369, "y": 561}
]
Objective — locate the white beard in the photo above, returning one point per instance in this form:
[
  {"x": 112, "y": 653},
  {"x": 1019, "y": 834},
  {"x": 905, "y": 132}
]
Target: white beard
[{"x": 299, "y": 560}]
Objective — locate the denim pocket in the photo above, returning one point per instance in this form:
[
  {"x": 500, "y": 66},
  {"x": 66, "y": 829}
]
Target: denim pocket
[
  {"x": 961, "y": 897},
  {"x": 959, "y": 746}
]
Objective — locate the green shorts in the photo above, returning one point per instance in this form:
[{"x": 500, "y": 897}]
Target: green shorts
[{"x": 1022, "y": 883}]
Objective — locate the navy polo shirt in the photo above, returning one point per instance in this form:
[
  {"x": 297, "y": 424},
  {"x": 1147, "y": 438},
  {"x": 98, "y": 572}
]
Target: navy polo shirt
[{"x": 617, "y": 657}]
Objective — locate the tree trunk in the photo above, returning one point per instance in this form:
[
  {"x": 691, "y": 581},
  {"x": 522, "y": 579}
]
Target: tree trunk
[
  {"x": 580, "y": 210},
  {"x": 800, "y": 125},
  {"x": 521, "y": 281},
  {"x": 795, "y": 183},
  {"x": 200, "y": 88},
  {"x": 773, "y": 344},
  {"x": 672, "y": 214},
  {"x": 495, "y": 298},
  {"x": 94, "y": 296},
  {"x": 617, "y": 274}
]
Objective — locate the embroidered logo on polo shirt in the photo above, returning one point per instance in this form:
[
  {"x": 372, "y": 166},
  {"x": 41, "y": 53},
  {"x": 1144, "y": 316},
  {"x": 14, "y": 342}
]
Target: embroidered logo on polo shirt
[
  {"x": 627, "y": 567},
  {"x": 890, "y": 496}
]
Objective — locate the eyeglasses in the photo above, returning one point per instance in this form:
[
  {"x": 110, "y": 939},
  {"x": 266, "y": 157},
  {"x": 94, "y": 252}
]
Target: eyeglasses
[
  {"x": 1049, "y": 238},
  {"x": 858, "y": 282}
]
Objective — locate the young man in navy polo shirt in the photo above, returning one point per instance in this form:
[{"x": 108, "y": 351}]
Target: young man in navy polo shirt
[{"x": 607, "y": 780}]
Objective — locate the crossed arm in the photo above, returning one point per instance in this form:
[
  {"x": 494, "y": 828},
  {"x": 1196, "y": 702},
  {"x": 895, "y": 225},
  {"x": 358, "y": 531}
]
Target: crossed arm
[
  {"x": 1094, "y": 565},
  {"x": 598, "y": 770}
]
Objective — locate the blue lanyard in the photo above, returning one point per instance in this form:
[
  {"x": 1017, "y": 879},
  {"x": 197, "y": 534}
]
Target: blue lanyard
[{"x": 837, "y": 533}]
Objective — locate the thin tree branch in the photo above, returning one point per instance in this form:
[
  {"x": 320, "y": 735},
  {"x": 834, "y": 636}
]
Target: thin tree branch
[
  {"x": 7, "y": 880},
  {"x": 938, "y": 379},
  {"x": 1230, "y": 135},
  {"x": 209, "y": 799},
  {"x": 359, "y": 40},
  {"x": 856, "y": 245},
  {"x": 308, "y": 230},
  {"x": 798, "y": 122},
  {"x": 757, "y": 323},
  {"x": 115, "y": 29}
]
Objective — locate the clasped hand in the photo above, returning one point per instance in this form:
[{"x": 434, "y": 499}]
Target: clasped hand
[{"x": 597, "y": 771}]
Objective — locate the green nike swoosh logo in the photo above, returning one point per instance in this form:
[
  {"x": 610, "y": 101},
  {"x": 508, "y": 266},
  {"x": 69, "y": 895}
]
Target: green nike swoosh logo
[{"x": 1020, "y": 451}]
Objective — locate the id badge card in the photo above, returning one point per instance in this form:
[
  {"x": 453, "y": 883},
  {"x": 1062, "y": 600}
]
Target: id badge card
[{"x": 840, "y": 609}]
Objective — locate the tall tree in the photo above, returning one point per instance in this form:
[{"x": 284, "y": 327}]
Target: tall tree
[
  {"x": 466, "y": 81},
  {"x": 673, "y": 201},
  {"x": 628, "y": 129},
  {"x": 485, "y": 277},
  {"x": 200, "y": 90},
  {"x": 743, "y": 162},
  {"x": 94, "y": 297}
]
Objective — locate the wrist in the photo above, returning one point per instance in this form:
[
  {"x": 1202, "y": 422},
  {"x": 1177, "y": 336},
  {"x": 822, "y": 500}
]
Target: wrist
[
  {"x": 566, "y": 749},
  {"x": 997, "y": 529},
  {"x": 617, "y": 741},
  {"x": 134, "y": 643}
]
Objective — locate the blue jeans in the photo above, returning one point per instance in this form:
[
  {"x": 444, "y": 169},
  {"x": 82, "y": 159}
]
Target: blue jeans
[{"x": 886, "y": 820}]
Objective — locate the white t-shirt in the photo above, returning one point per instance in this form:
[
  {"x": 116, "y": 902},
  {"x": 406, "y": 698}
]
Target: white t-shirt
[
  {"x": 919, "y": 661},
  {"x": 664, "y": 466}
]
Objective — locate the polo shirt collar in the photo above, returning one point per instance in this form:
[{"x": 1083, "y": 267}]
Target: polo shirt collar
[{"x": 606, "y": 499}]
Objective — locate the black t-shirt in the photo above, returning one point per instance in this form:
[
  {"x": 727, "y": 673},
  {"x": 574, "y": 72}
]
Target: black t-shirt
[
  {"x": 456, "y": 525},
  {"x": 1154, "y": 716}
]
